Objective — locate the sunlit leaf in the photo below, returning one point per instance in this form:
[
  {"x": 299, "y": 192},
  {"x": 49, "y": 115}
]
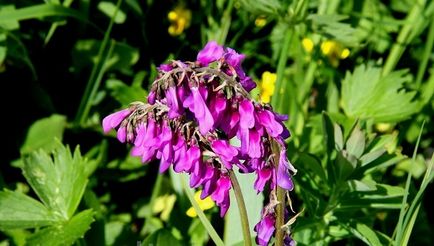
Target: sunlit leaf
[
  {"x": 367, "y": 95},
  {"x": 58, "y": 180},
  {"x": 21, "y": 211},
  {"x": 42, "y": 134},
  {"x": 109, "y": 9},
  {"x": 66, "y": 233}
]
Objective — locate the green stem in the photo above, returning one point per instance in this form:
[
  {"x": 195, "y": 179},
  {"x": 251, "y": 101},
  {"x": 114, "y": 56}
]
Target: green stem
[
  {"x": 278, "y": 98},
  {"x": 404, "y": 36},
  {"x": 241, "y": 208},
  {"x": 426, "y": 54},
  {"x": 210, "y": 229},
  {"x": 280, "y": 193},
  {"x": 226, "y": 23},
  {"x": 96, "y": 74}
]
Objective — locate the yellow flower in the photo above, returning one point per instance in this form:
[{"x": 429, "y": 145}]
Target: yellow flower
[
  {"x": 307, "y": 44},
  {"x": 164, "y": 205},
  {"x": 334, "y": 51},
  {"x": 205, "y": 204},
  {"x": 260, "y": 21},
  {"x": 179, "y": 20},
  {"x": 267, "y": 86}
]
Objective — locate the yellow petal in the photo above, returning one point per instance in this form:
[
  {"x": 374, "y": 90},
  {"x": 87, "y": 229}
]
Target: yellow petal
[
  {"x": 327, "y": 47},
  {"x": 345, "y": 53},
  {"x": 260, "y": 21},
  {"x": 191, "y": 212},
  {"x": 307, "y": 44},
  {"x": 172, "y": 15}
]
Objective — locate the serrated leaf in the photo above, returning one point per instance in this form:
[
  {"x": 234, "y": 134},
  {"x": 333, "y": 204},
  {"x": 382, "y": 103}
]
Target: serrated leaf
[
  {"x": 356, "y": 143},
  {"x": 332, "y": 27},
  {"x": 59, "y": 180},
  {"x": 109, "y": 9},
  {"x": 125, "y": 94},
  {"x": 64, "y": 234},
  {"x": 21, "y": 211},
  {"x": 43, "y": 132},
  {"x": 262, "y": 7},
  {"x": 367, "y": 95}
]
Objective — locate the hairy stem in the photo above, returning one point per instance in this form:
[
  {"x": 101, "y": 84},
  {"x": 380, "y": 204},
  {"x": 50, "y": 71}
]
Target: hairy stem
[{"x": 280, "y": 208}]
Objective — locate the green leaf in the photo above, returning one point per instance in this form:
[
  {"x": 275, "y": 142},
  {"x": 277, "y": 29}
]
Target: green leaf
[
  {"x": 58, "y": 180},
  {"x": 197, "y": 233},
  {"x": 356, "y": 143},
  {"x": 8, "y": 24},
  {"x": 366, "y": 234},
  {"x": 125, "y": 94},
  {"x": 38, "y": 11},
  {"x": 329, "y": 134},
  {"x": 85, "y": 54},
  {"x": 332, "y": 27},
  {"x": 21, "y": 211},
  {"x": 367, "y": 95},
  {"x": 263, "y": 7},
  {"x": 66, "y": 233},
  {"x": 312, "y": 163},
  {"x": 109, "y": 9},
  {"x": 43, "y": 132},
  {"x": 253, "y": 202},
  {"x": 161, "y": 237}
]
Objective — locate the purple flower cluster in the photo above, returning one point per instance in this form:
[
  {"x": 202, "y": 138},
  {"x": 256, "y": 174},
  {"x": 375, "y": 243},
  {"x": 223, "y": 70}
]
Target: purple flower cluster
[{"x": 194, "y": 113}]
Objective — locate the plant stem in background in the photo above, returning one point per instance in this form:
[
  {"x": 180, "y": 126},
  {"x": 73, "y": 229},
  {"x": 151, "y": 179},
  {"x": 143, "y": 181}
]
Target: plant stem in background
[
  {"x": 226, "y": 23},
  {"x": 404, "y": 36},
  {"x": 96, "y": 74},
  {"x": 205, "y": 222},
  {"x": 241, "y": 208},
  {"x": 278, "y": 98},
  {"x": 426, "y": 54}
]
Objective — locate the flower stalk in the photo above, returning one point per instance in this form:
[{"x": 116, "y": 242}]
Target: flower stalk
[{"x": 241, "y": 208}]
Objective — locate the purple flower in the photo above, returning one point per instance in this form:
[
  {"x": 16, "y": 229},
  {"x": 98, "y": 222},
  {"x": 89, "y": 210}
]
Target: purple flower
[
  {"x": 221, "y": 193},
  {"x": 267, "y": 119},
  {"x": 217, "y": 108},
  {"x": 283, "y": 178},
  {"x": 248, "y": 83},
  {"x": 198, "y": 106},
  {"x": 175, "y": 109},
  {"x": 233, "y": 58},
  {"x": 211, "y": 52},
  {"x": 226, "y": 152},
  {"x": 230, "y": 123},
  {"x": 247, "y": 117},
  {"x": 152, "y": 97},
  {"x": 165, "y": 67},
  {"x": 264, "y": 229},
  {"x": 113, "y": 120},
  {"x": 263, "y": 176}
]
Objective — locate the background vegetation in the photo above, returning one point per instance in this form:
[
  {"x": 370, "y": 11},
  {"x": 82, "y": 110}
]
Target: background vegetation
[{"x": 355, "y": 77}]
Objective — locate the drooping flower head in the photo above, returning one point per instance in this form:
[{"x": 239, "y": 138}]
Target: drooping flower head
[{"x": 194, "y": 112}]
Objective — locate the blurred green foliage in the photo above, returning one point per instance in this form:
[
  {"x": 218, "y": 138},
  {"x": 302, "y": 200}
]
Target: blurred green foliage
[{"x": 364, "y": 158}]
